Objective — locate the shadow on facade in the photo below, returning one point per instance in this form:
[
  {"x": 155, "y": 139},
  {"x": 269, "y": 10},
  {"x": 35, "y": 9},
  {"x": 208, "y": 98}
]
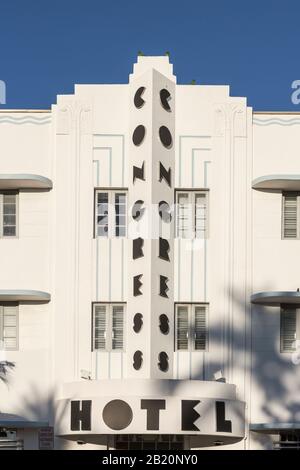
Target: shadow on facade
[
  {"x": 251, "y": 335},
  {"x": 266, "y": 378}
]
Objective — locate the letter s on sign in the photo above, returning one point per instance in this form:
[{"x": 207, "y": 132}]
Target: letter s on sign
[{"x": 296, "y": 94}]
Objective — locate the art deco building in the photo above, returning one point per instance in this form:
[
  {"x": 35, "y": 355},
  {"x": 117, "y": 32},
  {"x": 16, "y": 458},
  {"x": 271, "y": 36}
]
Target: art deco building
[{"x": 149, "y": 269}]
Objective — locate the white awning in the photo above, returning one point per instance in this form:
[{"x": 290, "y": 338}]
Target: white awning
[
  {"x": 277, "y": 183},
  {"x": 274, "y": 428},
  {"x": 19, "y": 295},
  {"x": 8, "y": 420},
  {"x": 275, "y": 299},
  {"x": 24, "y": 181}
]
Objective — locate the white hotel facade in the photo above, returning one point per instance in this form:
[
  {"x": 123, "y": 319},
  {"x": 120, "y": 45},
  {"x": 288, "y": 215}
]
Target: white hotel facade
[{"x": 149, "y": 275}]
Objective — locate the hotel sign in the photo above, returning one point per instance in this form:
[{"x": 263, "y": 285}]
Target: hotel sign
[{"x": 165, "y": 415}]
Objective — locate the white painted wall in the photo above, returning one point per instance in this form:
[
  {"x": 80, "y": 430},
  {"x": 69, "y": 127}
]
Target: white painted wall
[
  {"x": 275, "y": 379},
  {"x": 26, "y": 263}
]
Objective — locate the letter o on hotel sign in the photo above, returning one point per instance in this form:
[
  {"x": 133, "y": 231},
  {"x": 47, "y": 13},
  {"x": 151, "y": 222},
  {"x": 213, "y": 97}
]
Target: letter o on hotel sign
[{"x": 117, "y": 415}]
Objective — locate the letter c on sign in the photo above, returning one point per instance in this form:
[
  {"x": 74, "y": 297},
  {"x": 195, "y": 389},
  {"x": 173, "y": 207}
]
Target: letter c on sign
[
  {"x": 138, "y": 100},
  {"x": 165, "y": 97},
  {"x": 117, "y": 414}
]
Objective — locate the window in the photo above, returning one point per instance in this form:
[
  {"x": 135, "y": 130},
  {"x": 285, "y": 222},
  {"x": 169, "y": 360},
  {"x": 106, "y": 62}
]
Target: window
[
  {"x": 9, "y": 327},
  {"x": 191, "y": 214},
  {"x": 110, "y": 214},
  {"x": 288, "y": 440},
  {"x": 108, "y": 327},
  {"x": 289, "y": 328},
  {"x": 149, "y": 442},
  {"x": 191, "y": 327},
  {"x": 290, "y": 215},
  {"x": 8, "y": 214}
]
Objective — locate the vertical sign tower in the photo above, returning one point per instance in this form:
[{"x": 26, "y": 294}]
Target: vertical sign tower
[{"x": 150, "y": 305}]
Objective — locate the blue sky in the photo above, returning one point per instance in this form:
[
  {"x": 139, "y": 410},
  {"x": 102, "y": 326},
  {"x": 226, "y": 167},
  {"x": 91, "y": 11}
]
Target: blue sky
[{"x": 47, "y": 46}]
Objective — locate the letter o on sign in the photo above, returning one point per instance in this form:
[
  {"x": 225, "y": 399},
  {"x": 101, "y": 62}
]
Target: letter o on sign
[
  {"x": 117, "y": 414},
  {"x": 138, "y": 135},
  {"x": 165, "y": 137}
]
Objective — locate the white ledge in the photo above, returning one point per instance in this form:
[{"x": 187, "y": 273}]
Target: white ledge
[
  {"x": 275, "y": 299},
  {"x": 273, "y": 428},
  {"x": 24, "y": 181},
  {"x": 16, "y": 295},
  {"x": 8, "y": 420},
  {"x": 277, "y": 183}
]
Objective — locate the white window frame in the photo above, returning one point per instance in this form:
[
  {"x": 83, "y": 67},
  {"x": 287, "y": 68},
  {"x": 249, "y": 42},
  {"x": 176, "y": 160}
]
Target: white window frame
[
  {"x": 294, "y": 308},
  {"x": 296, "y": 194},
  {"x": 15, "y": 193},
  {"x": 3, "y": 306},
  {"x": 111, "y": 212},
  {"x": 108, "y": 336},
  {"x": 192, "y": 194},
  {"x": 191, "y": 308}
]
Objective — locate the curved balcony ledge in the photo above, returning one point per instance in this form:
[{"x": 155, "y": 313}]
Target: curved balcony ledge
[
  {"x": 24, "y": 181},
  {"x": 209, "y": 411},
  {"x": 273, "y": 428},
  {"x": 275, "y": 299},
  {"x": 8, "y": 420},
  {"x": 277, "y": 183},
  {"x": 17, "y": 295}
]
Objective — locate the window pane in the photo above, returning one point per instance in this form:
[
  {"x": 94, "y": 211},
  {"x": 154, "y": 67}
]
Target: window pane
[
  {"x": 9, "y": 198},
  {"x": 9, "y": 322},
  {"x": 117, "y": 327},
  {"x": 102, "y": 229},
  {"x": 102, "y": 215},
  {"x": 9, "y": 209},
  {"x": 121, "y": 198},
  {"x": 290, "y": 216},
  {"x": 200, "y": 215},
  {"x": 121, "y": 219},
  {"x": 10, "y": 343},
  {"x": 9, "y": 332},
  {"x": 102, "y": 198},
  {"x": 121, "y": 231},
  {"x": 120, "y": 208},
  {"x": 184, "y": 216},
  {"x": 182, "y": 328},
  {"x": 9, "y": 215},
  {"x": 200, "y": 328},
  {"x": 287, "y": 329},
  {"x": 9, "y": 220},
  {"x": 100, "y": 327},
  {"x": 9, "y": 231}
]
